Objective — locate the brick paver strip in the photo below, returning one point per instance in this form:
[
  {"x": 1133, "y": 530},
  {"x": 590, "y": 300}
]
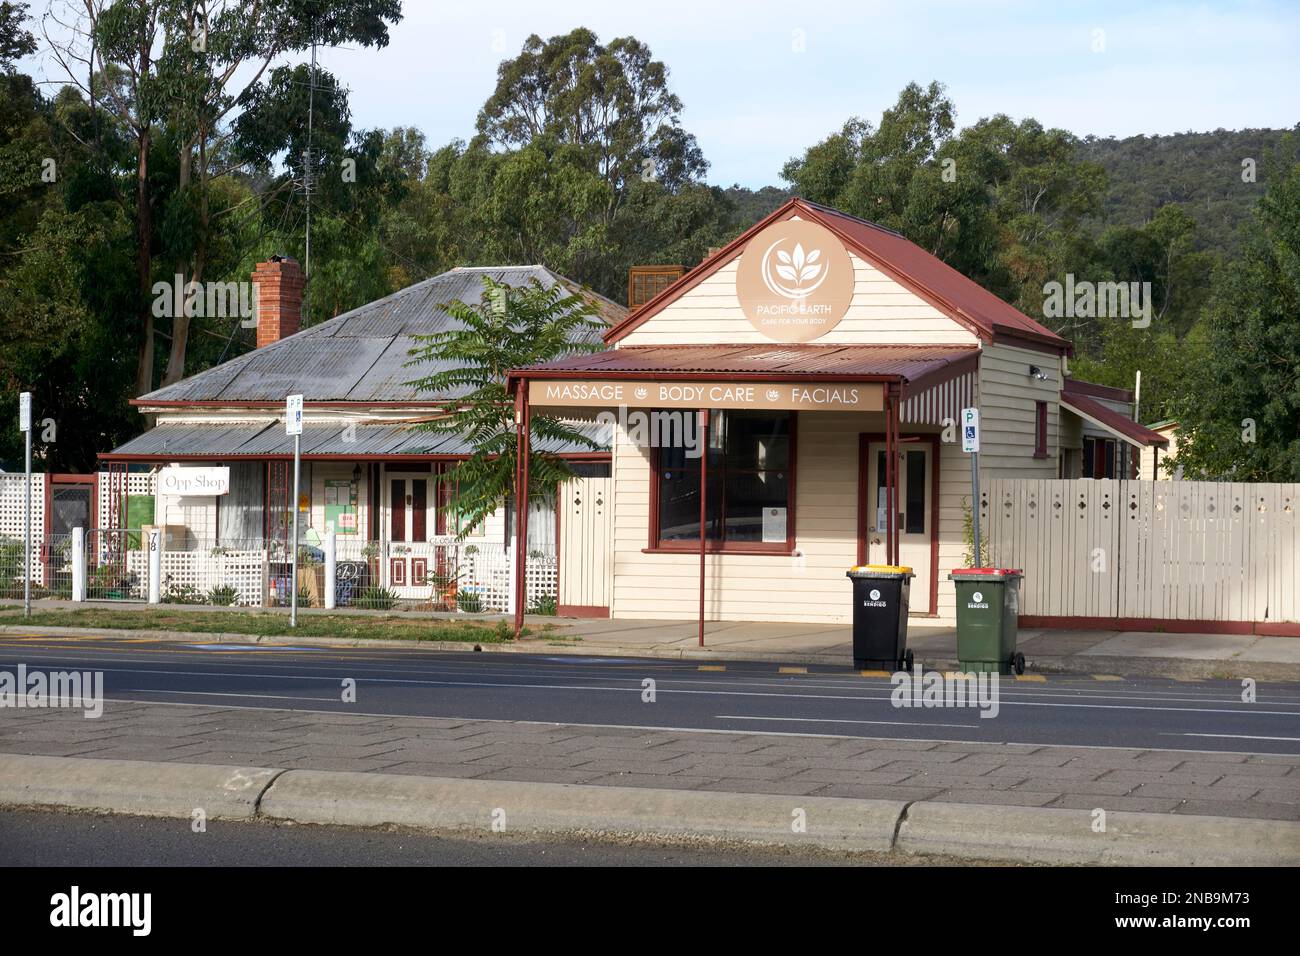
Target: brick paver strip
[{"x": 1239, "y": 785}]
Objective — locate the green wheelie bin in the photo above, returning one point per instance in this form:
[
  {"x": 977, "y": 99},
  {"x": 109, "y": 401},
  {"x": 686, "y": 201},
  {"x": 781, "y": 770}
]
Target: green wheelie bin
[
  {"x": 880, "y": 596},
  {"x": 988, "y": 614}
]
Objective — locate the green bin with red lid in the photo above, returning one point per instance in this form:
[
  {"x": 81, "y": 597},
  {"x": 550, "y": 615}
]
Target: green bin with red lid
[{"x": 988, "y": 617}]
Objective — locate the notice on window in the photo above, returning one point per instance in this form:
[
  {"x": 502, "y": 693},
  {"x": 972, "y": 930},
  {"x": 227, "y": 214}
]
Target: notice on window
[
  {"x": 774, "y": 524},
  {"x": 340, "y": 507}
]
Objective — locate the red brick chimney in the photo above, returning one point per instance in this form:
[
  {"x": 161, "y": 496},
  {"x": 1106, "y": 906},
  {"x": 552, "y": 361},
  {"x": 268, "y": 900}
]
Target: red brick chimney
[{"x": 278, "y": 282}]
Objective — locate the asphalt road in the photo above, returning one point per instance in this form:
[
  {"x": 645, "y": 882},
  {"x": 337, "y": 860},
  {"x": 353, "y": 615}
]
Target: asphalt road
[
  {"x": 35, "y": 838},
  {"x": 749, "y": 698}
]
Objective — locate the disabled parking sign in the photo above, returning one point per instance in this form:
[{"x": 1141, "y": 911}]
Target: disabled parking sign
[{"x": 970, "y": 430}]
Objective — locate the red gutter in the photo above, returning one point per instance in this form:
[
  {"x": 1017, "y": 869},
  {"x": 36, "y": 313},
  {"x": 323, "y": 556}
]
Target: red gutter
[{"x": 279, "y": 406}]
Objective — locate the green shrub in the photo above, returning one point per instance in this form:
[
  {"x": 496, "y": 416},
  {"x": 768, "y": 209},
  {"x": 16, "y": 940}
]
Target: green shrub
[
  {"x": 544, "y": 605},
  {"x": 182, "y": 594},
  {"x": 469, "y": 602},
  {"x": 377, "y": 599},
  {"x": 223, "y": 595}
]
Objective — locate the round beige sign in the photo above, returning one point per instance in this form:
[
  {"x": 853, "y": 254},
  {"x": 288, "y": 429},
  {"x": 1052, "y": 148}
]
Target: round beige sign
[{"x": 795, "y": 281}]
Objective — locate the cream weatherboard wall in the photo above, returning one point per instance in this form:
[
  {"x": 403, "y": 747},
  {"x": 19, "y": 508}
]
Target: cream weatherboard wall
[
  {"x": 882, "y": 312},
  {"x": 1008, "y": 398},
  {"x": 809, "y": 586}
]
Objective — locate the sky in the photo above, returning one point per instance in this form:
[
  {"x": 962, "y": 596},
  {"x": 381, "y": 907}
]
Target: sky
[{"x": 762, "y": 80}]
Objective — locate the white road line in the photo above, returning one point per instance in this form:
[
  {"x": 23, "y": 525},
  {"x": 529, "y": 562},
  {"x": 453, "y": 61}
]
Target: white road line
[
  {"x": 212, "y": 693},
  {"x": 859, "y": 698},
  {"x": 830, "y": 720},
  {"x": 1235, "y": 737}
]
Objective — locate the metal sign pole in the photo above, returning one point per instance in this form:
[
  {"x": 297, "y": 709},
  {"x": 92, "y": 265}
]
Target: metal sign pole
[
  {"x": 293, "y": 426},
  {"x": 25, "y": 426},
  {"x": 970, "y": 443}
]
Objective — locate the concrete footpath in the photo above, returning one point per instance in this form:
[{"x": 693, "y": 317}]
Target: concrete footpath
[
  {"x": 1015, "y": 802},
  {"x": 969, "y": 831}
]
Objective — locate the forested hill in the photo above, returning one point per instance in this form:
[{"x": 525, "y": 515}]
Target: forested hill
[{"x": 1201, "y": 171}]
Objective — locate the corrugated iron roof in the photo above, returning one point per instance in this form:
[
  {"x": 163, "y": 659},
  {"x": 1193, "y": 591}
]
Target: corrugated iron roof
[
  {"x": 906, "y": 362},
  {"x": 361, "y": 356},
  {"x": 179, "y": 440},
  {"x": 1111, "y": 420},
  {"x": 962, "y": 299}
]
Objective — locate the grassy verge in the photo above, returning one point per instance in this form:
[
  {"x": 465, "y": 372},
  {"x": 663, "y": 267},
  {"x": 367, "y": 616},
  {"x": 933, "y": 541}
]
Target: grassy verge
[{"x": 385, "y": 627}]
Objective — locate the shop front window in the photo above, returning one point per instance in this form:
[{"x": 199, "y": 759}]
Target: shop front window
[{"x": 750, "y": 486}]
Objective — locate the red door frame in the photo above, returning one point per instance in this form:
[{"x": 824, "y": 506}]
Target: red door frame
[
  {"x": 864, "y": 498},
  {"x": 92, "y": 519}
]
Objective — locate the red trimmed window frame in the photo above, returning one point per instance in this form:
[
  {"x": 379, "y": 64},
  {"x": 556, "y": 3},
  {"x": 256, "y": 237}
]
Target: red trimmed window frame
[
  {"x": 1040, "y": 429},
  {"x": 692, "y": 546}
]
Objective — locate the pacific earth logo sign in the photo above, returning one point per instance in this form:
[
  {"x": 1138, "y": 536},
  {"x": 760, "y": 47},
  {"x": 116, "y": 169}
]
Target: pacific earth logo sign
[{"x": 794, "y": 281}]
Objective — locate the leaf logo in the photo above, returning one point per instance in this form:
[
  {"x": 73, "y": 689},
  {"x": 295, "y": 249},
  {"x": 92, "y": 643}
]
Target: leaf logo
[
  {"x": 773, "y": 395},
  {"x": 794, "y": 274},
  {"x": 641, "y": 393}
]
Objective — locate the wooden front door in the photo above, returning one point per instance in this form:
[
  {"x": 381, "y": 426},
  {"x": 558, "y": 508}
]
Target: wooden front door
[
  {"x": 915, "y": 514},
  {"x": 408, "y": 503}
]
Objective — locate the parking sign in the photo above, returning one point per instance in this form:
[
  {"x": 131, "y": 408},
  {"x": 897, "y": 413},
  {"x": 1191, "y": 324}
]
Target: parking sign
[
  {"x": 25, "y": 412},
  {"x": 970, "y": 430},
  {"x": 293, "y": 415}
]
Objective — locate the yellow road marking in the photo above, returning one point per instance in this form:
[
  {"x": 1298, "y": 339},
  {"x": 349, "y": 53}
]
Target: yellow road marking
[
  {"x": 873, "y": 673},
  {"x": 713, "y": 667},
  {"x": 1106, "y": 677},
  {"x": 792, "y": 670},
  {"x": 1034, "y": 678},
  {"x": 1189, "y": 680}
]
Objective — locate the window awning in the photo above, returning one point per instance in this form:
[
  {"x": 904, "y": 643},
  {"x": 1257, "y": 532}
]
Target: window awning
[{"x": 1112, "y": 421}]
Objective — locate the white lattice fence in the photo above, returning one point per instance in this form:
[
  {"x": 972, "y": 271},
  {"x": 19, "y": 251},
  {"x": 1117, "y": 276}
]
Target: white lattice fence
[
  {"x": 487, "y": 571},
  {"x": 13, "y": 526},
  {"x": 137, "y": 483}
]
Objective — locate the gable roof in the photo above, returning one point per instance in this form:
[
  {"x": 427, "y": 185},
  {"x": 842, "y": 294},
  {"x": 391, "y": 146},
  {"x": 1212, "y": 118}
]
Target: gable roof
[
  {"x": 961, "y": 299},
  {"x": 361, "y": 355}
]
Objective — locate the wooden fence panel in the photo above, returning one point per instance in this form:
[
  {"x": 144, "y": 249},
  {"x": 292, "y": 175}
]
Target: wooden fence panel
[{"x": 1172, "y": 550}]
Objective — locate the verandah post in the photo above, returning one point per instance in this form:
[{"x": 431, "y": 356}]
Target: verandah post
[
  {"x": 521, "y": 504},
  {"x": 704, "y": 497}
]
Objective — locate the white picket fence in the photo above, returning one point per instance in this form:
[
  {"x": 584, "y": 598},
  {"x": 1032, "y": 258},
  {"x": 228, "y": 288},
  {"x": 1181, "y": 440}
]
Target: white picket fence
[
  {"x": 1202, "y": 551},
  {"x": 256, "y": 573}
]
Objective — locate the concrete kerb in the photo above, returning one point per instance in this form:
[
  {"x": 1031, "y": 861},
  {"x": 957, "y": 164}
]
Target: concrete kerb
[
  {"x": 362, "y": 799},
  {"x": 1045, "y": 835},
  {"x": 1029, "y": 835},
  {"x": 133, "y": 786}
]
